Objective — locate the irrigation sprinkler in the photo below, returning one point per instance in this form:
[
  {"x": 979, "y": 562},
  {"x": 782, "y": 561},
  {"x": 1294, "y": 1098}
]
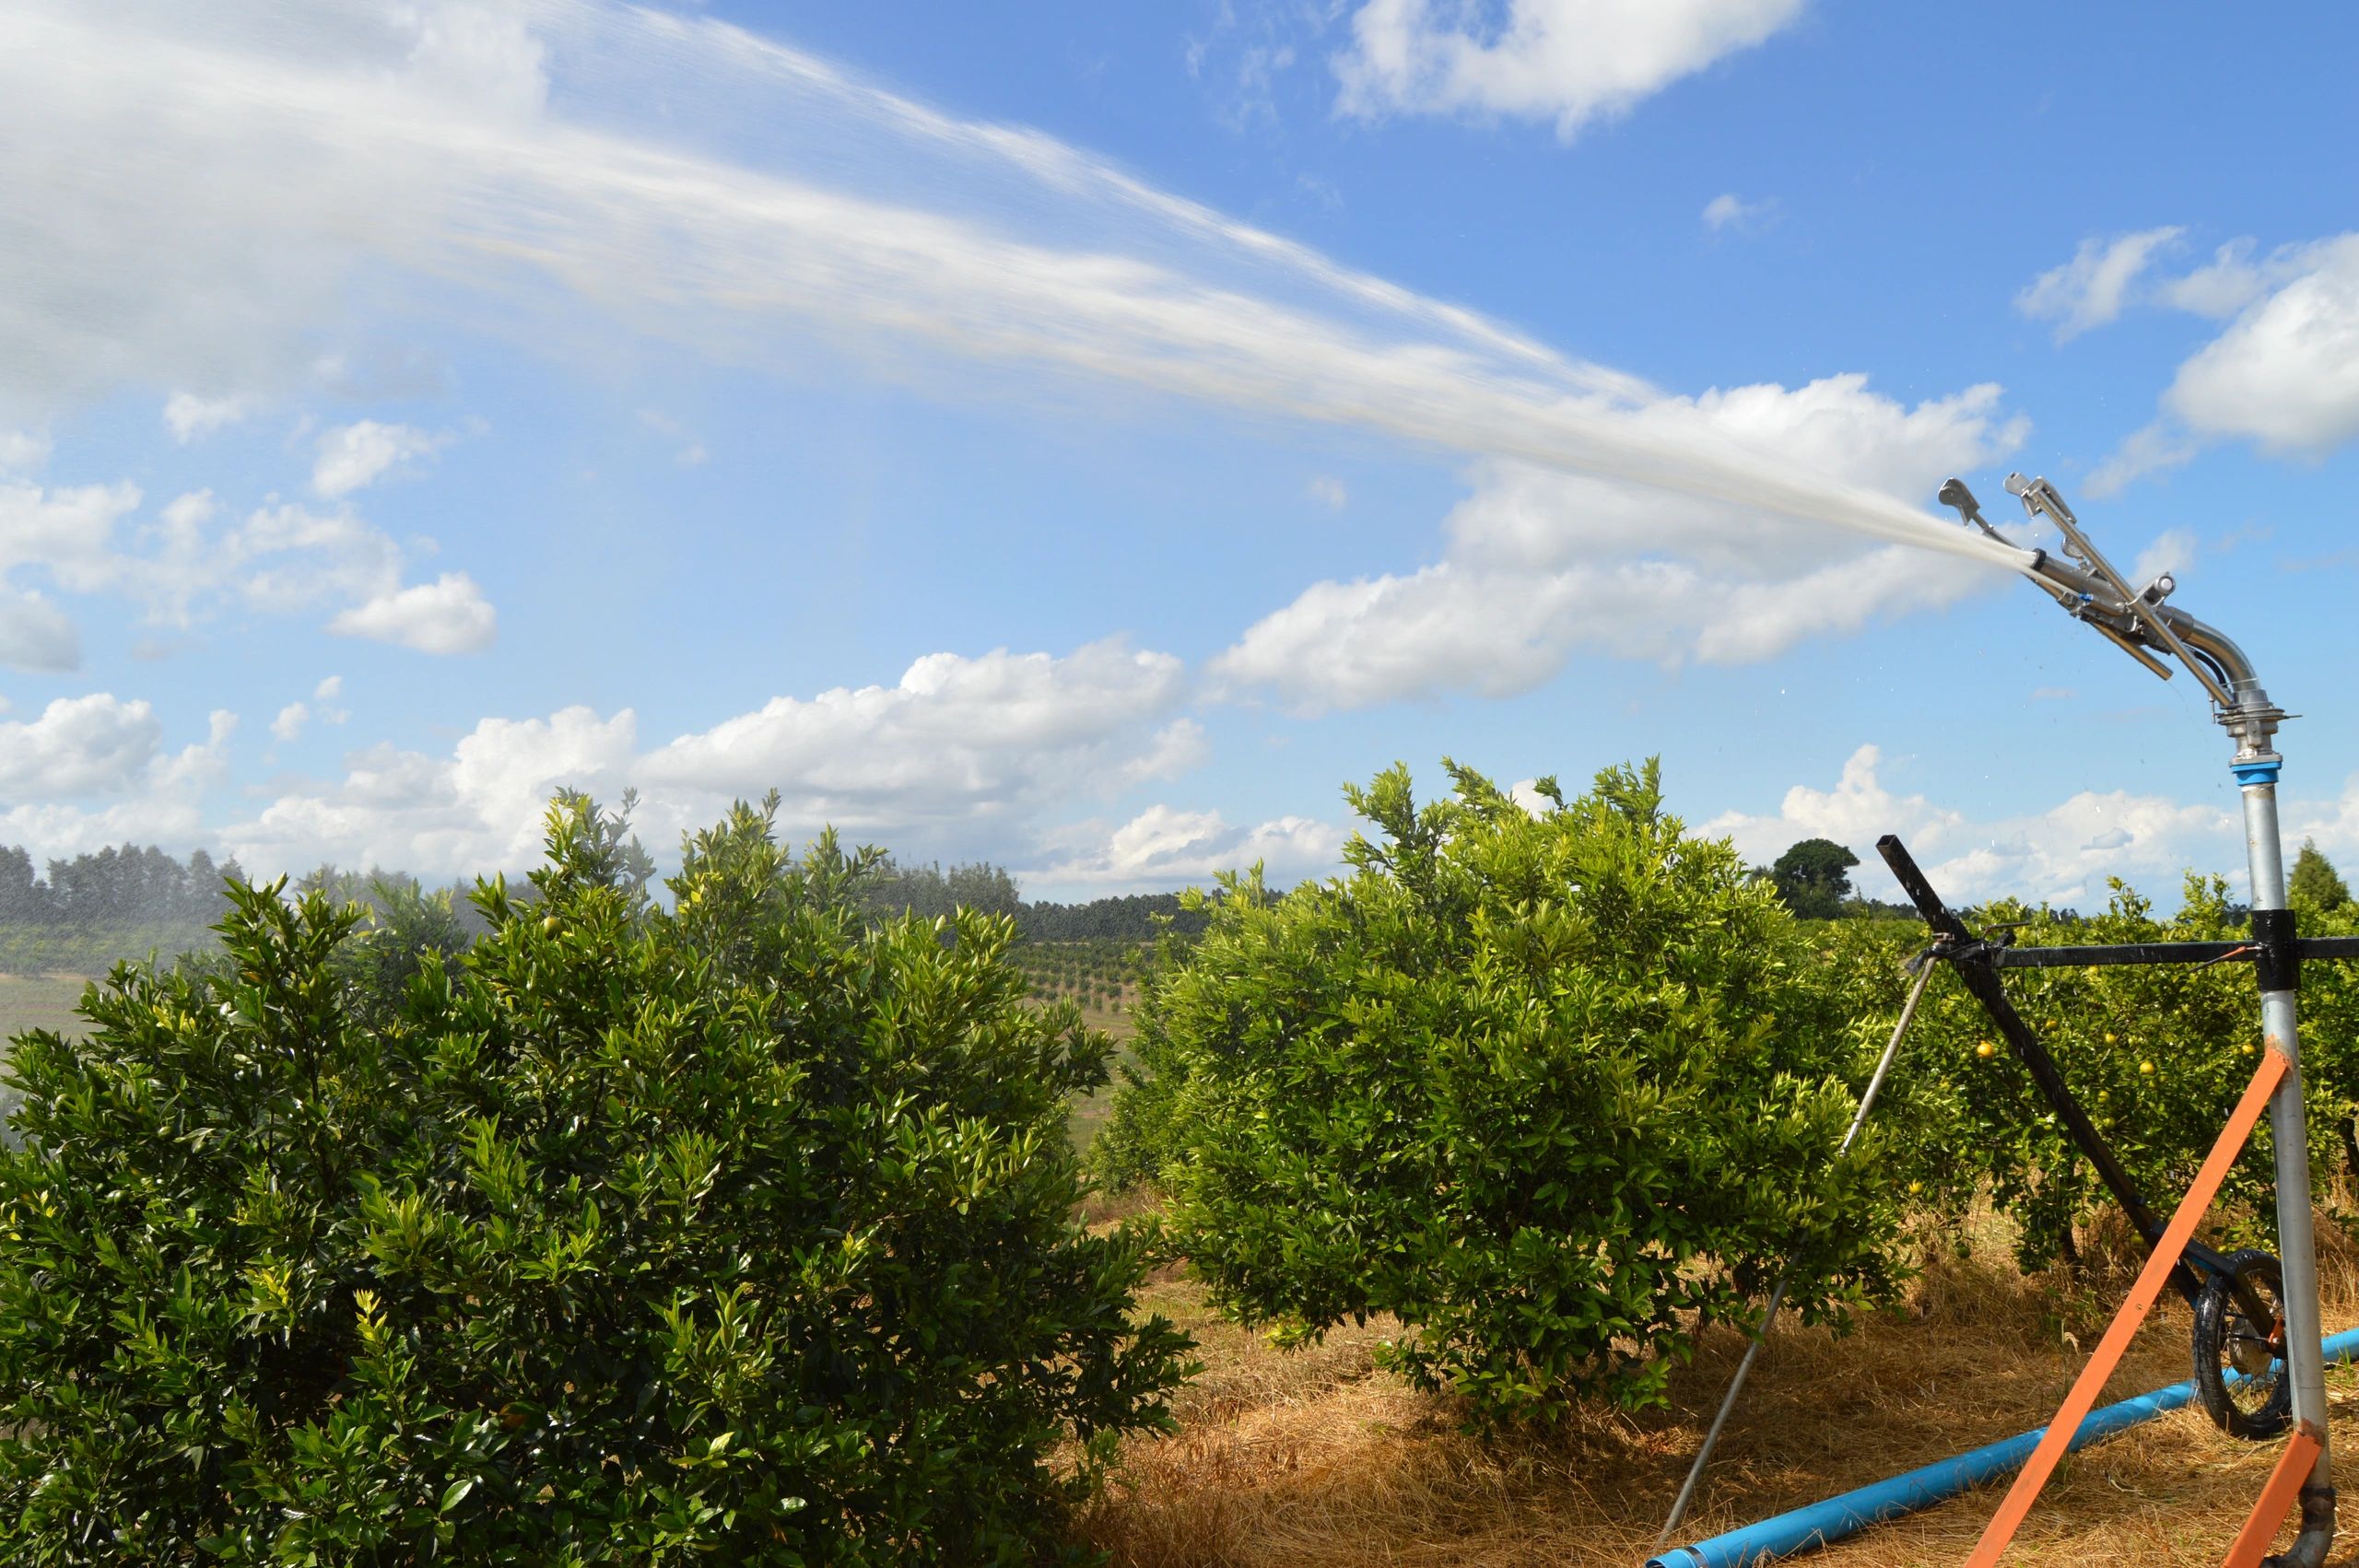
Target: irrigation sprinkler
[
  {"x": 2259, "y": 1367},
  {"x": 2143, "y": 626}
]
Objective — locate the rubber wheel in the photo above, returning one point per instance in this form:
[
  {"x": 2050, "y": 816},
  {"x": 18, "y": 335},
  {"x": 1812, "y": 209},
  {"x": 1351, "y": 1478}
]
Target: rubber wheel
[{"x": 2258, "y": 1403}]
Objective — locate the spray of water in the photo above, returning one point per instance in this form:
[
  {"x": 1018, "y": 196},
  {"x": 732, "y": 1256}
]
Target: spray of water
[{"x": 198, "y": 187}]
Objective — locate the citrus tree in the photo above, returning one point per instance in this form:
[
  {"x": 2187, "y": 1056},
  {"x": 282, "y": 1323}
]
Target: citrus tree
[
  {"x": 738, "y": 1233},
  {"x": 2158, "y": 1055},
  {"x": 1558, "y": 1089}
]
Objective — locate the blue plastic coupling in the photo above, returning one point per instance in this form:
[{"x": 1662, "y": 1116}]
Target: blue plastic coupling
[{"x": 2257, "y": 771}]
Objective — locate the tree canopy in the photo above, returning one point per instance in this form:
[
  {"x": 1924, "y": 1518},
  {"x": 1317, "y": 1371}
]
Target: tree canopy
[
  {"x": 2316, "y": 885},
  {"x": 1814, "y": 877}
]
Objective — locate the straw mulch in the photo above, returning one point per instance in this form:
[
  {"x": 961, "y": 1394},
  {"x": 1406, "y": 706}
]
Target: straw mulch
[{"x": 1314, "y": 1457}]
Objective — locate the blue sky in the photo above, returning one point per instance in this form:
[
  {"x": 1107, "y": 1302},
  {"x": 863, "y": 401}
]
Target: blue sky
[{"x": 1085, "y": 436}]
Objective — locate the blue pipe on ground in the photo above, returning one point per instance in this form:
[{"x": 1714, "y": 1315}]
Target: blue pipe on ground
[{"x": 1805, "y": 1530}]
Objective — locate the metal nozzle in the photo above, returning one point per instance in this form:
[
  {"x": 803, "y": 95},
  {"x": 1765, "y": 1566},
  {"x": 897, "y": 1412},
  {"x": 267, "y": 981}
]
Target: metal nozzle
[
  {"x": 2137, "y": 622},
  {"x": 1954, "y": 494}
]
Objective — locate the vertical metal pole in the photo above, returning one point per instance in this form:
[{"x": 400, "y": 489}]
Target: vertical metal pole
[{"x": 2297, "y": 1249}]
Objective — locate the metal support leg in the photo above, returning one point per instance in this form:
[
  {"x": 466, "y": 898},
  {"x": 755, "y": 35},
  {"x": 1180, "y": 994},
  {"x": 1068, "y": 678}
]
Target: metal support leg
[{"x": 2296, "y": 1246}]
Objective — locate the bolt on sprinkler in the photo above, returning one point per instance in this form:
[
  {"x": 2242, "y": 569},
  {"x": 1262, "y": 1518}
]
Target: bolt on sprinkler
[{"x": 2138, "y": 621}]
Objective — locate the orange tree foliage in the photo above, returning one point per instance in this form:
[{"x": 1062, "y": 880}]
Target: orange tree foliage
[{"x": 738, "y": 1233}]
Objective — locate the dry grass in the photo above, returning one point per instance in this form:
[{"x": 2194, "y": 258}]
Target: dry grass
[{"x": 1317, "y": 1458}]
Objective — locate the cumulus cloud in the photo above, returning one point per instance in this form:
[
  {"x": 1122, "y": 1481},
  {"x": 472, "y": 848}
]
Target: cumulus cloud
[
  {"x": 2062, "y": 854},
  {"x": 189, "y": 417},
  {"x": 1569, "y": 62},
  {"x": 352, "y": 457},
  {"x": 447, "y": 615},
  {"x": 2090, "y": 289},
  {"x": 961, "y": 751},
  {"x": 1164, "y": 846},
  {"x": 295, "y": 716},
  {"x": 2285, "y": 373},
  {"x": 81, "y": 746},
  {"x": 192, "y": 559},
  {"x": 1329, "y": 492},
  {"x": 93, "y": 770},
  {"x": 475, "y": 811},
  {"x": 967, "y": 738},
  {"x": 66, "y": 534},
  {"x": 1539, "y": 566}
]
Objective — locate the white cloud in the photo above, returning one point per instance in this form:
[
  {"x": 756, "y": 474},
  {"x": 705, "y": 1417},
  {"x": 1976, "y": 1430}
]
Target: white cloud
[
  {"x": 1566, "y": 61},
  {"x": 80, "y": 745},
  {"x": 1164, "y": 848},
  {"x": 968, "y": 738},
  {"x": 1539, "y": 566},
  {"x": 67, "y": 533},
  {"x": 2062, "y": 854},
  {"x": 352, "y": 457},
  {"x": 189, "y": 417},
  {"x": 35, "y": 634},
  {"x": 2285, "y": 373},
  {"x": 93, "y": 770},
  {"x": 1726, "y": 211},
  {"x": 2148, "y": 449},
  {"x": 1329, "y": 492},
  {"x": 285, "y": 157},
  {"x": 2234, "y": 279},
  {"x": 962, "y": 750},
  {"x": 23, "y": 451},
  {"x": 190, "y": 562},
  {"x": 475, "y": 811},
  {"x": 447, "y": 615},
  {"x": 295, "y": 716},
  {"x": 2090, "y": 289}
]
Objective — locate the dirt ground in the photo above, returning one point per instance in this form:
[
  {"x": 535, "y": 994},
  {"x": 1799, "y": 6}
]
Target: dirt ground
[{"x": 1315, "y": 1457}]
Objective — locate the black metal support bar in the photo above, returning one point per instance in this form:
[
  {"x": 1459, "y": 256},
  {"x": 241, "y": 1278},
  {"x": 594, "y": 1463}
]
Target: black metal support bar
[
  {"x": 2302, "y": 950},
  {"x": 1973, "y": 959},
  {"x": 2132, "y": 952}
]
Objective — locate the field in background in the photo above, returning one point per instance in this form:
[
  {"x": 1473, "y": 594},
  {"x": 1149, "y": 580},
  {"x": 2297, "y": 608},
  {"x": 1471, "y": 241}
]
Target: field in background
[
  {"x": 39, "y": 1001},
  {"x": 1102, "y": 976},
  {"x": 1316, "y": 1458}
]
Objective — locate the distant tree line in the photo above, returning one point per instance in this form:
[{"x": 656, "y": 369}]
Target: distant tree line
[
  {"x": 928, "y": 891},
  {"x": 123, "y": 901},
  {"x": 1813, "y": 880},
  {"x": 130, "y": 901},
  {"x": 113, "y": 887},
  {"x": 81, "y": 915}
]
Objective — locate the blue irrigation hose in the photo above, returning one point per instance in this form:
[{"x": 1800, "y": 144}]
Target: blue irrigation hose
[{"x": 1805, "y": 1530}]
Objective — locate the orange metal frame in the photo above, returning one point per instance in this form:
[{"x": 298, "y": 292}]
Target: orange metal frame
[{"x": 2285, "y": 1483}]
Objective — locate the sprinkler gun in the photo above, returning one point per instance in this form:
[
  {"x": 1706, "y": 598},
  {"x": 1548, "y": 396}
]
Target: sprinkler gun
[
  {"x": 2138, "y": 621},
  {"x": 2259, "y": 1368}
]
